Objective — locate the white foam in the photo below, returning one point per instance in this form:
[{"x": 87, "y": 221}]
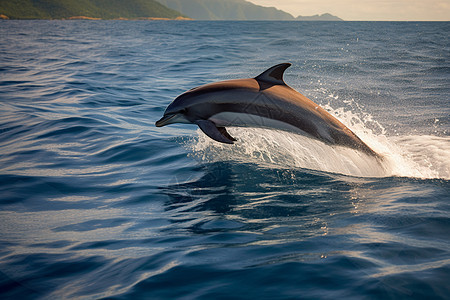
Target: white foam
[{"x": 406, "y": 156}]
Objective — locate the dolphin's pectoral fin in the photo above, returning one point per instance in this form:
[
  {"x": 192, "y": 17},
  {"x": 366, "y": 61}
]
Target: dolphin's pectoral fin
[
  {"x": 216, "y": 133},
  {"x": 225, "y": 133}
]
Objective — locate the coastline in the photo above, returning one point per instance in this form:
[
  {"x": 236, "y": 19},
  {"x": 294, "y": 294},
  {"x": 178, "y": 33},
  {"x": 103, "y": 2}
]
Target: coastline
[
  {"x": 179, "y": 18},
  {"x": 129, "y": 19}
]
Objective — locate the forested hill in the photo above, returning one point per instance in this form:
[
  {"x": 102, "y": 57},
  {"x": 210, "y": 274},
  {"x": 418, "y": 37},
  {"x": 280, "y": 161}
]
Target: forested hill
[
  {"x": 103, "y": 9},
  {"x": 235, "y": 10}
]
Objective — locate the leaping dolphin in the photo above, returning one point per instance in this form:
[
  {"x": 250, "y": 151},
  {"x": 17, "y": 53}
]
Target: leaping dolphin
[{"x": 264, "y": 101}]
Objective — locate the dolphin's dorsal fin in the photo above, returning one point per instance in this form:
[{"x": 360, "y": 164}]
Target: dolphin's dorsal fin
[{"x": 274, "y": 75}]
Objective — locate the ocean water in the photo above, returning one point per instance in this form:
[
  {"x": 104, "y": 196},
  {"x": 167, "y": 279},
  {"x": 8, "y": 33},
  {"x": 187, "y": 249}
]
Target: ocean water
[{"x": 98, "y": 203}]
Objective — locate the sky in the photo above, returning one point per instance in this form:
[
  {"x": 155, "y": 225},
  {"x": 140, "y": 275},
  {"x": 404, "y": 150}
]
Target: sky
[{"x": 366, "y": 10}]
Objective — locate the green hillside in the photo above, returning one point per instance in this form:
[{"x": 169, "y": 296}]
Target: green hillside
[{"x": 104, "y": 9}]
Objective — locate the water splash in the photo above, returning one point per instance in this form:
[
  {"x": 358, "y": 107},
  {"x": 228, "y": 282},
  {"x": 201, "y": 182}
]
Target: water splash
[{"x": 424, "y": 157}]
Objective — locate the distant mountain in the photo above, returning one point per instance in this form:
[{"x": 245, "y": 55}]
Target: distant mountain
[
  {"x": 323, "y": 17},
  {"x": 104, "y": 9},
  {"x": 226, "y": 10}
]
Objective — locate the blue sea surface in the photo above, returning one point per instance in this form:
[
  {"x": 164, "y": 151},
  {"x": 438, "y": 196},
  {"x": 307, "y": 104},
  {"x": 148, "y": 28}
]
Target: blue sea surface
[{"x": 98, "y": 203}]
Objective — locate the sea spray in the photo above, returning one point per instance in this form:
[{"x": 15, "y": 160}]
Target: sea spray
[
  {"x": 407, "y": 156},
  {"x": 419, "y": 156},
  {"x": 287, "y": 150}
]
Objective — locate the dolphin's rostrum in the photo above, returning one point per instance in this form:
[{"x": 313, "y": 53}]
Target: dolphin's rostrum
[{"x": 264, "y": 101}]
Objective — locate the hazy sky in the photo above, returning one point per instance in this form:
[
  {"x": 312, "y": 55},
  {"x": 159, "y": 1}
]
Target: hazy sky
[{"x": 376, "y": 10}]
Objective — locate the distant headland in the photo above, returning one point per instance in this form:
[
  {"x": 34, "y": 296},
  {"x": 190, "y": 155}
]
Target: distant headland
[{"x": 147, "y": 10}]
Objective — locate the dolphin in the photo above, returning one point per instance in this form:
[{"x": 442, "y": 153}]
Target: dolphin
[{"x": 264, "y": 101}]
